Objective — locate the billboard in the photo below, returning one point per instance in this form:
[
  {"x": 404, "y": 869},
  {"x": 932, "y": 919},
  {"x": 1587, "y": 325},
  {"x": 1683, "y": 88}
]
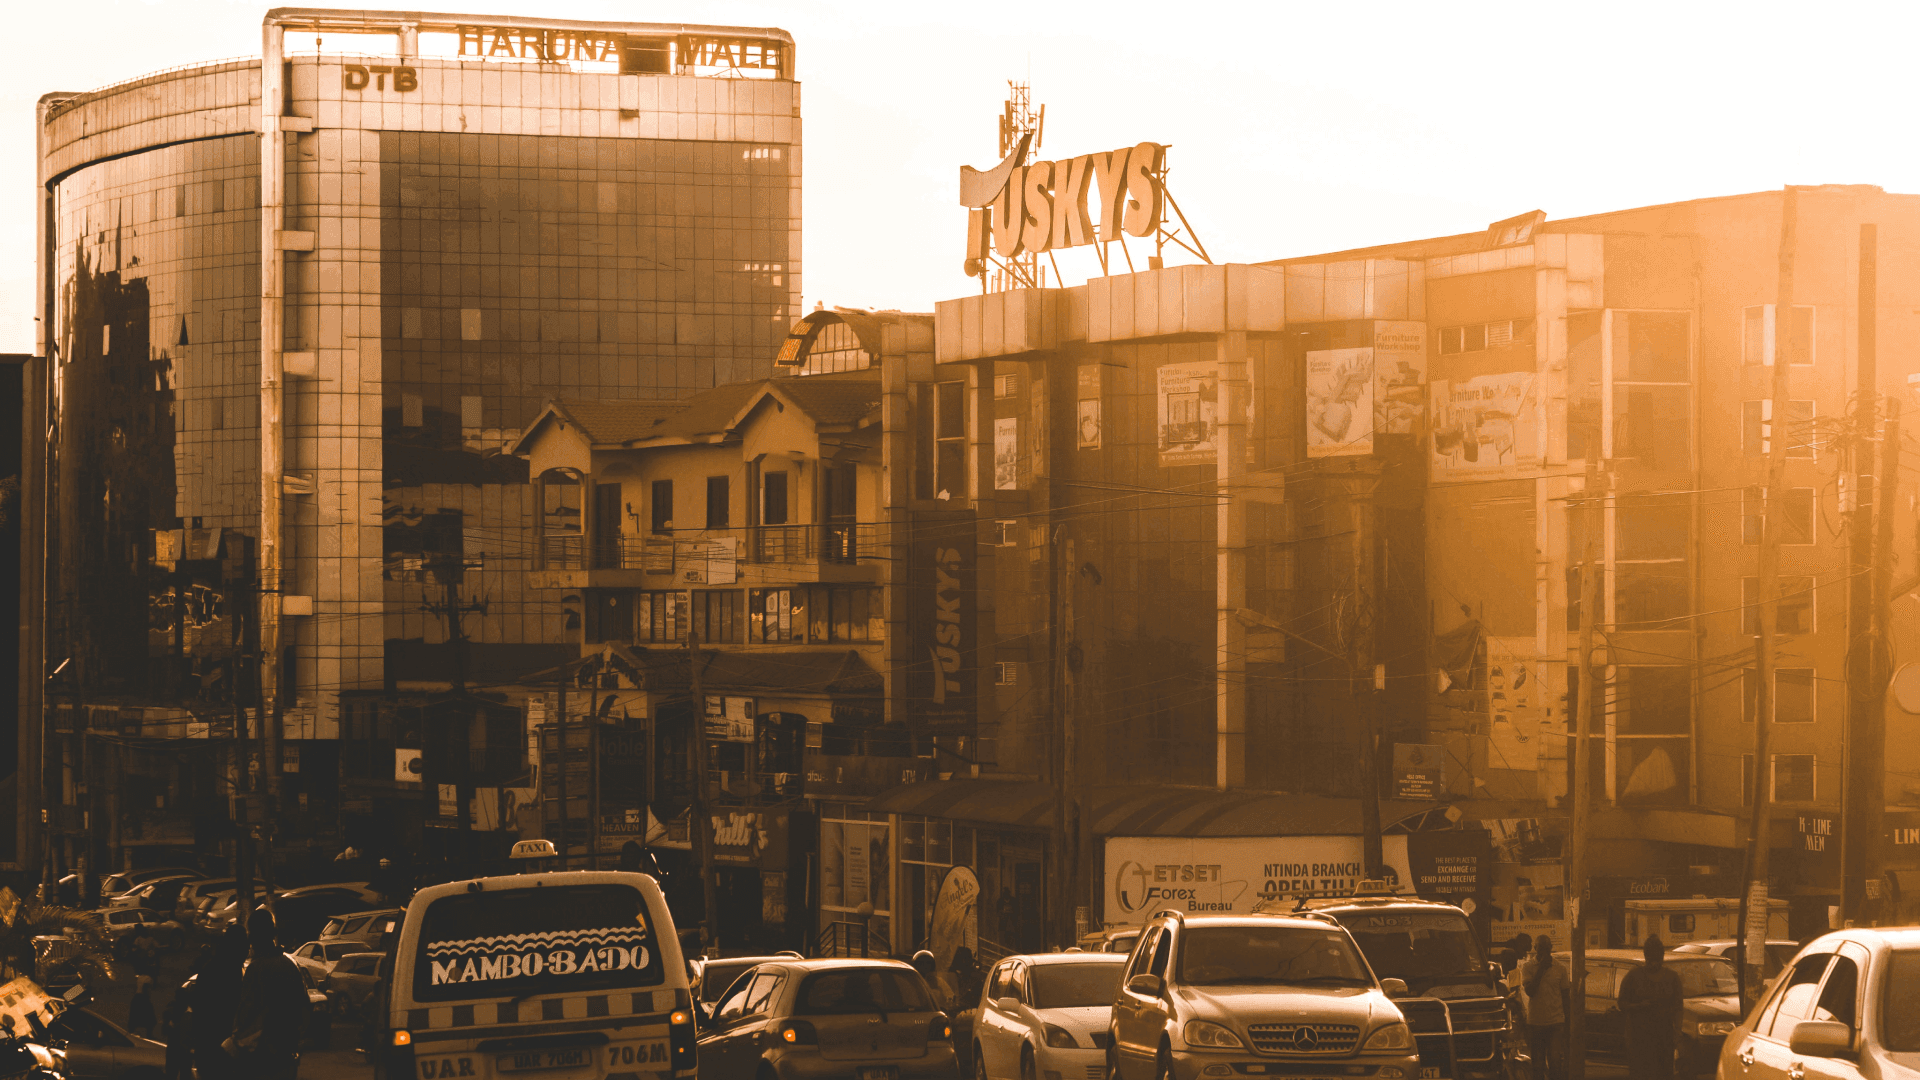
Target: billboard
[
  {"x": 1188, "y": 410},
  {"x": 1485, "y": 425},
  {"x": 942, "y": 662},
  {"x": 1228, "y": 875},
  {"x": 1340, "y": 402},
  {"x": 1400, "y": 374}
]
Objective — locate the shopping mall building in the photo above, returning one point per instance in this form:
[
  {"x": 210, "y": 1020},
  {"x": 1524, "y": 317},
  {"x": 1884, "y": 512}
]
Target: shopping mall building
[{"x": 295, "y": 306}]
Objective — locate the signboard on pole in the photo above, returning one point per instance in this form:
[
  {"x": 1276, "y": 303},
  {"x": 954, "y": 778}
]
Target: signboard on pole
[
  {"x": 730, "y": 719},
  {"x": 1419, "y": 771}
]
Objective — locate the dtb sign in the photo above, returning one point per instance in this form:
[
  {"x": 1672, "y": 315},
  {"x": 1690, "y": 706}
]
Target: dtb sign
[{"x": 1023, "y": 209}]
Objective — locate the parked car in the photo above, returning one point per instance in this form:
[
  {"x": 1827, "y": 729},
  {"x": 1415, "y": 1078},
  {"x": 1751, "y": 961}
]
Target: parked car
[
  {"x": 99, "y": 1049},
  {"x": 195, "y": 891},
  {"x": 1282, "y": 993},
  {"x": 1710, "y": 985},
  {"x": 156, "y": 895},
  {"x": 1843, "y": 1009},
  {"x": 315, "y": 959},
  {"x": 354, "y": 978},
  {"x": 1046, "y": 1015},
  {"x": 370, "y": 928},
  {"x": 1779, "y": 953},
  {"x": 1118, "y": 940},
  {"x": 120, "y": 923},
  {"x": 300, "y": 914},
  {"x": 863, "y": 1018},
  {"x": 712, "y": 978},
  {"x": 114, "y": 884}
]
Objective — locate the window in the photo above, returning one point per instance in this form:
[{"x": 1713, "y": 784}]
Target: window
[
  {"x": 1759, "y": 336},
  {"x": 1794, "y": 999},
  {"x": 1899, "y": 1020},
  {"x": 776, "y": 615},
  {"x": 1840, "y": 994},
  {"x": 1005, "y": 533},
  {"x": 1756, "y": 422},
  {"x": 717, "y": 615},
  {"x": 1793, "y": 778},
  {"x": 1652, "y": 576},
  {"x": 660, "y": 617},
  {"x": 1796, "y": 520},
  {"x": 661, "y": 506},
  {"x": 1480, "y": 336},
  {"x": 854, "y": 870},
  {"x": 1796, "y": 606},
  {"x": 1006, "y": 674},
  {"x": 846, "y": 614},
  {"x": 1652, "y": 392},
  {"x": 773, "y": 498},
  {"x": 1006, "y": 386},
  {"x": 718, "y": 502},
  {"x": 944, "y": 459},
  {"x": 1653, "y": 727},
  {"x": 470, "y": 412},
  {"x": 1583, "y": 385},
  {"x": 1793, "y": 695}
]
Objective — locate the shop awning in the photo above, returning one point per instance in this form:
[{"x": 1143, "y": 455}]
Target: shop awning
[{"x": 1141, "y": 810}]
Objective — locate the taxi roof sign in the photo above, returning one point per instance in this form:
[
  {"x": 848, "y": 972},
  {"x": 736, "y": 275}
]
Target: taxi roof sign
[{"x": 533, "y": 849}]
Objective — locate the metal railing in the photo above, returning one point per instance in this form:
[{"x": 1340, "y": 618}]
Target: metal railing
[
  {"x": 845, "y": 543},
  {"x": 849, "y": 939},
  {"x": 563, "y": 552}
]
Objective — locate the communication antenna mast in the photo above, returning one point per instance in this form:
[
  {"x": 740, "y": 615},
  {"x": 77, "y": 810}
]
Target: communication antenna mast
[{"x": 1018, "y": 117}]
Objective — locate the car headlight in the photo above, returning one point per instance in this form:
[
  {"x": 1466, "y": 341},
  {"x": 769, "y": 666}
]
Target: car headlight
[
  {"x": 1206, "y": 1035},
  {"x": 1060, "y": 1037},
  {"x": 1713, "y": 1027},
  {"x": 1394, "y": 1036}
]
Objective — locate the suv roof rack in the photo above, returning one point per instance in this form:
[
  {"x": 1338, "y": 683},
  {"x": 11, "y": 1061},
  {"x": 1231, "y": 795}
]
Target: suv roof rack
[{"x": 1169, "y": 911}]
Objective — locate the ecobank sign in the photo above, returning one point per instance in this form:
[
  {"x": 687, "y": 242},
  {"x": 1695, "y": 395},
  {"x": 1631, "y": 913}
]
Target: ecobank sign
[
  {"x": 1024, "y": 209},
  {"x": 1229, "y": 875}
]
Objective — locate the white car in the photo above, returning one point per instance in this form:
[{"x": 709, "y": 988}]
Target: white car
[
  {"x": 315, "y": 959},
  {"x": 1046, "y": 1015}
]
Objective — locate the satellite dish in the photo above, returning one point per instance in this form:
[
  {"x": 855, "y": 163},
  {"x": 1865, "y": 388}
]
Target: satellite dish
[{"x": 1906, "y": 688}]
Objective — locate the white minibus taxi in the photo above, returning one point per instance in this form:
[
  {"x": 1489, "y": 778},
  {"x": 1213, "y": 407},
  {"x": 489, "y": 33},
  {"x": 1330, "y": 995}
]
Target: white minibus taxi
[{"x": 575, "y": 975}]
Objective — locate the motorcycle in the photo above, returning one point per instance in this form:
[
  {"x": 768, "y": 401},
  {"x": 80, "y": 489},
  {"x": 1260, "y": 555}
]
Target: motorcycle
[{"x": 24, "y": 1058}]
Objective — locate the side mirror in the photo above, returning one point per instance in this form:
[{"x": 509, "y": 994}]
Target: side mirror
[
  {"x": 1007, "y": 1004},
  {"x": 1494, "y": 969},
  {"x": 1394, "y": 987},
  {"x": 1146, "y": 985},
  {"x": 1821, "y": 1038}
]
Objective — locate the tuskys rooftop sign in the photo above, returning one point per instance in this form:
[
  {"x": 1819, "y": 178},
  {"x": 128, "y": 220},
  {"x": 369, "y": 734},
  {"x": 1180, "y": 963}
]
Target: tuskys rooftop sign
[{"x": 1023, "y": 209}]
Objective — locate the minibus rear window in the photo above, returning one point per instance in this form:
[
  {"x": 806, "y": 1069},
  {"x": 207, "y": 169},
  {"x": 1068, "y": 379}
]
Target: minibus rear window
[{"x": 550, "y": 940}]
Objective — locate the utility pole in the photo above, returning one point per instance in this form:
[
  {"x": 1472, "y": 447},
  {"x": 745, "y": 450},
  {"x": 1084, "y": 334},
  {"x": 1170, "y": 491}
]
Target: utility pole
[
  {"x": 1864, "y": 757},
  {"x": 1069, "y": 777},
  {"x": 560, "y": 759},
  {"x": 1579, "y": 789},
  {"x": 1760, "y": 832},
  {"x": 1363, "y": 662},
  {"x": 1871, "y": 750},
  {"x": 702, "y": 823}
]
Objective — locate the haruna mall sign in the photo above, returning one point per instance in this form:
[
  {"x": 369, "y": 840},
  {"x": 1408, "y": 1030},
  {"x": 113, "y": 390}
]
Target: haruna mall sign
[{"x": 1027, "y": 209}]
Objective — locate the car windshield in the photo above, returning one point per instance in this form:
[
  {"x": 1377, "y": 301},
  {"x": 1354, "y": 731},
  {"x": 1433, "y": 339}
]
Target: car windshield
[
  {"x": 1899, "y": 1020},
  {"x": 1414, "y": 945},
  {"x": 1705, "y": 977},
  {"x": 520, "y": 942},
  {"x": 862, "y": 990},
  {"x": 1074, "y": 986},
  {"x": 1220, "y": 955}
]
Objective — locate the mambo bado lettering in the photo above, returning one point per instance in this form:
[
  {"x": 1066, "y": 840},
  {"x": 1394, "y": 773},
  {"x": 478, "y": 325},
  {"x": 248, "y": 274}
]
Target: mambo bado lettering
[
  {"x": 946, "y": 630},
  {"x": 356, "y": 76},
  {"x": 532, "y": 964},
  {"x": 1046, "y": 205}
]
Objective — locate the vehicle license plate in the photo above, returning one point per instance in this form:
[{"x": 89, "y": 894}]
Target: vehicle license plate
[
  {"x": 1432, "y": 1073},
  {"x": 532, "y": 1060},
  {"x": 878, "y": 1072}
]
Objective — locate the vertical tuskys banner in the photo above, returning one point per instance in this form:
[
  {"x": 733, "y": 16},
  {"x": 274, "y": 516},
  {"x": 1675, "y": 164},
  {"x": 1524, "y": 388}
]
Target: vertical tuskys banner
[{"x": 943, "y": 664}]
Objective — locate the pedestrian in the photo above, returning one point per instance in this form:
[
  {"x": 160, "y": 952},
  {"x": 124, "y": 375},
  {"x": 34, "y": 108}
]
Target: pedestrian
[
  {"x": 272, "y": 1017},
  {"x": 176, "y": 1027},
  {"x": 967, "y": 978},
  {"x": 140, "y": 1017},
  {"x": 215, "y": 998},
  {"x": 1546, "y": 986},
  {"x": 1651, "y": 999}
]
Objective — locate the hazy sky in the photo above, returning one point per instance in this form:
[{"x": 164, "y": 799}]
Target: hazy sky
[{"x": 1294, "y": 127}]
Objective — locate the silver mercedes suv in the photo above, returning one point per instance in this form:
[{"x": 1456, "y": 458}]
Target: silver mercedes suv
[{"x": 1254, "y": 995}]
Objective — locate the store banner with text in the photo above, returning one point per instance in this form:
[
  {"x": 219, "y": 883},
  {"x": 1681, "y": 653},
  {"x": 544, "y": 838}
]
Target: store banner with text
[
  {"x": 1229, "y": 875},
  {"x": 942, "y": 667}
]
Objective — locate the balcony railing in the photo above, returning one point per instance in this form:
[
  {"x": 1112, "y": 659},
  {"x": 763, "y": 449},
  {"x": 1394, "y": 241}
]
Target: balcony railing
[{"x": 846, "y": 543}]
